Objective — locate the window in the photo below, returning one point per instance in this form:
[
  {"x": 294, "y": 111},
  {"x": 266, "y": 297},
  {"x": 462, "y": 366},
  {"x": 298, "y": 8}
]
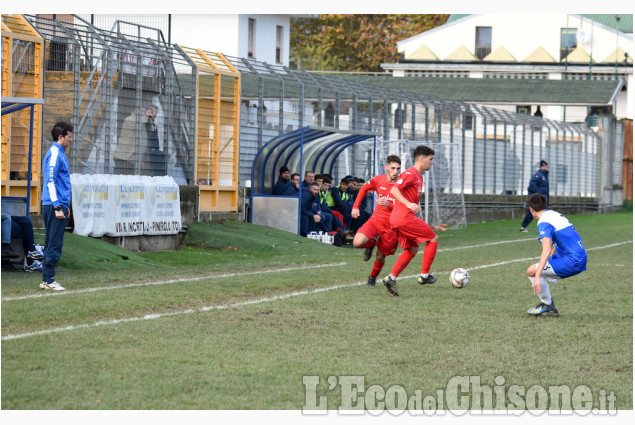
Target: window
[
  {"x": 568, "y": 41},
  {"x": 468, "y": 120},
  {"x": 483, "y": 42},
  {"x": 523, "y": 110},
  {"x": 251, "y": 29},
  {"x": 279, "y": 44}
]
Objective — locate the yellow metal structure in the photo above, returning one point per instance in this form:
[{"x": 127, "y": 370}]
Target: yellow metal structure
[
  {"x": 22, "y": 77},
  {"x": 217, "y": 130}
]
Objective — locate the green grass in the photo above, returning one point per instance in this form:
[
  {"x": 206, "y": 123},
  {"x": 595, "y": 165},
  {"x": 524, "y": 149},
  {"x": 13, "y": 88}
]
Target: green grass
[{"x": 254, "y": 356}]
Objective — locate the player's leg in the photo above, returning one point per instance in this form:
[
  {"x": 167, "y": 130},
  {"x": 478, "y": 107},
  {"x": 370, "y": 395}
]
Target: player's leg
[
  {"x": 526, "y": 221},
  {"x": 418, "y": 231},
  {"x": 403, "y": 260},
  {"x": 366, "y": 237},
  {"x": 378, "y": 265},
  {"x": 546, "y": 307},
  {"x": 429, "y": 254}
]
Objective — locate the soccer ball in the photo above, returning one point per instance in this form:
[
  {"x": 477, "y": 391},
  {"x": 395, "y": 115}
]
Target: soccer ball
[{"x": 459, "y": 278}]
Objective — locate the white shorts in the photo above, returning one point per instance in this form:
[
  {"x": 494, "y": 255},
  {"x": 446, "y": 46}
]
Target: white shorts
[{"x": 548, "y": 273}]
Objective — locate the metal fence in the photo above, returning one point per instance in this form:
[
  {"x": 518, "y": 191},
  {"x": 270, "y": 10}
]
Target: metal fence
[
  {"x": 106, "y": 82},
  {"x": 500, "y": 150},
  {"x": 129, "y": 94}
]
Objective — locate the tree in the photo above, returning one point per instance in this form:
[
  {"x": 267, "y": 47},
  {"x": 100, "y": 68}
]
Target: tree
[{"x": 353, "y": 42}]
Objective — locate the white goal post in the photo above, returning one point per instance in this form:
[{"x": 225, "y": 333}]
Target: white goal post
[{"x": 442, "y": 201}]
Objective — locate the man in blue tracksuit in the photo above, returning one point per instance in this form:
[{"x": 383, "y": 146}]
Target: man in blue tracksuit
[
  {"x": 311, "y": 216},
  {"x": 56, "y": 200},
  {"x": 539, "y": 183}
]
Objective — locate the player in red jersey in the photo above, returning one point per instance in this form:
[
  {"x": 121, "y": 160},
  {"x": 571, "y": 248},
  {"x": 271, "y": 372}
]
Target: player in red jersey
[
  {"x": 377, "y": 230},
  {"x": 411, "y": 230}
]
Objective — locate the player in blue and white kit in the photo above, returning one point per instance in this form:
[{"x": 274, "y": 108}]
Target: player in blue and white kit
[{"x": 563, "y": 254}]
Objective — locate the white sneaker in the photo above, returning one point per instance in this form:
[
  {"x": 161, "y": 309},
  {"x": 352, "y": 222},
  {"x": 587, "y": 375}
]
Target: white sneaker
[{"x": 53, "y": 286}]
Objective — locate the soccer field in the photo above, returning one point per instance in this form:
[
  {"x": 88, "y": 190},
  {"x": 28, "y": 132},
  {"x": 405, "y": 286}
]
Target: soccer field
[{"x": 281, "y": 321}]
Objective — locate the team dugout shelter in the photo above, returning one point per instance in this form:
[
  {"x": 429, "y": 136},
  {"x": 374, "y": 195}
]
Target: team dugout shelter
[{"x": 316, "y": 149}]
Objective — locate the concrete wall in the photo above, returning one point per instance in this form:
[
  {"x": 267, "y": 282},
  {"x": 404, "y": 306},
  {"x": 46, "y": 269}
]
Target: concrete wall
[{"x": 483, "y": 208}]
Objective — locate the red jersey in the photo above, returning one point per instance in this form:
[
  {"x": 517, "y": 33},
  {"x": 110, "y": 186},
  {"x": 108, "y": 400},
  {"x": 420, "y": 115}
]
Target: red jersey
[
  {"x": 380, "y": 185},
  {"x": 410, "y": 184}
]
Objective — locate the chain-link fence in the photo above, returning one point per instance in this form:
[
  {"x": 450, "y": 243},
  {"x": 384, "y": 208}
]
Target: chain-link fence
[{"x": 129, "y": 94}]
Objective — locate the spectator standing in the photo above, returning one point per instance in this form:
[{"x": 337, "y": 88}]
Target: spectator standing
[
  {"x": 539, "y": 183},
  {"x": 154, "y": 162},
  {"x": 56, "y": 198},
  {"x": 124, "y": 153}
]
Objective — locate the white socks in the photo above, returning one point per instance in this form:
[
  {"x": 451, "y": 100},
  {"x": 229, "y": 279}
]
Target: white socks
[{"x": 545, "y": 294}]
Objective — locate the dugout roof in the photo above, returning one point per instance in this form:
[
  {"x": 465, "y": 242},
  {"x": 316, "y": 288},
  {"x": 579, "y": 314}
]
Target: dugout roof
[{"x": 307, "y": 148}]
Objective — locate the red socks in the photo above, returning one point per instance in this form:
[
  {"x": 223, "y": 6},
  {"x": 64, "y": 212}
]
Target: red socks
[
  {"x": 402, "y": 261},
  {"x": 377, "y": 268},
  {"x": 428, "y": 256}
]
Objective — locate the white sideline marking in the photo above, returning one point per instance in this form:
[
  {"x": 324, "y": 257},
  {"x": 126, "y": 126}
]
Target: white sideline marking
[
  {"x": 487, "y": 244},
  {"x": 165, "y": 282},
  {"x": 243, "y": 303},
  {"x": 175, "y": 313}
]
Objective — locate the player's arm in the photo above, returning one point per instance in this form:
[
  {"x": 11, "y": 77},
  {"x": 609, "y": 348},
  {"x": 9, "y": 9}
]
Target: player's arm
[
  {"x": 544, "y": 257},
  {"x": 52, "y": 170},
  {"x": 399, "y": 197},
  {"x": 359, "y": 199}
]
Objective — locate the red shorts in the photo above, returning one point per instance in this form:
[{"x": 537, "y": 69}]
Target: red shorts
[
  {"x": 413, "y": 232},
  {"x": 387, "y": 243}
]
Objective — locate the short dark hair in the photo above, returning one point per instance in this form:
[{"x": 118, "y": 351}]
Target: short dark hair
[
  {"x": 61, "y": 128},
  {"x": 294, "y": 175},
  {"x": 393, "y": 158},
  {"x": 307, "y": 172},
  {"x": 326, "y": 178},
  {"x": 318, "y": 176},
  {"x": 314, "y": 184},
  {"x": 359, "y": 180},
  {"x": 422, "y": 150},
  {"x": 537, "y": 201}
]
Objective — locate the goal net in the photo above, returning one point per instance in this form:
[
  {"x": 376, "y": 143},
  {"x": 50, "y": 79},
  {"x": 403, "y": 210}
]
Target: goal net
[{"x": 442, "y": 201}]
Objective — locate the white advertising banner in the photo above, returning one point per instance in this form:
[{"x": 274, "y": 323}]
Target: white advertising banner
[{"x": 116, "y": 205}]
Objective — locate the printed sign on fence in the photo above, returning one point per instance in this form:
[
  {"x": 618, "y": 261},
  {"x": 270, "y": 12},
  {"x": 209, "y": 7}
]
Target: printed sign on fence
[{"x": 116, "y": 205}]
